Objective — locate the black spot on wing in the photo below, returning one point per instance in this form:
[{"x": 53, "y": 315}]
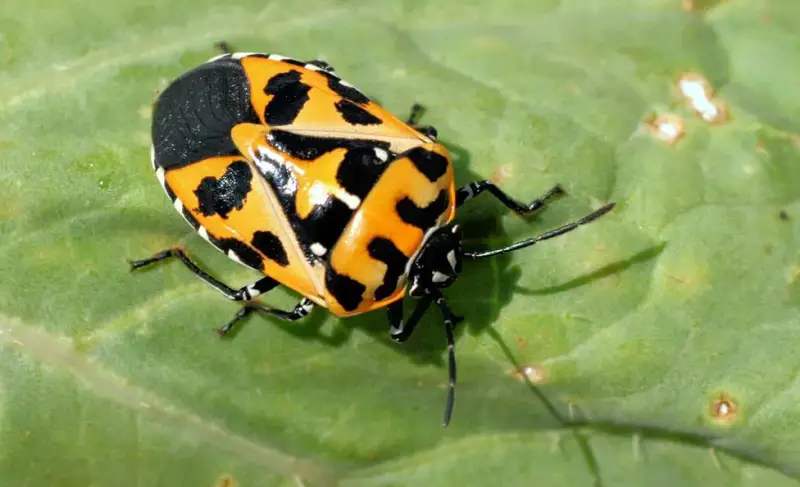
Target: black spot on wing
[
  {"x": 326, "y": 222},
  {"x": 433, "y": 165},
  {"x": 354, "y": 114},
  {"x": 223, "y": 195},
  {"x": 289, "y": 95},
  {"x": 270, "y": 245},
  {"x": 192, "y": 118},
  {"x": 247, "y": 255},
  {"x": 422, "y": 218},
  {"x": 386, "y": 251},
  {"x": 347, "y": 291},
  {"x": 309, "y": 147},
  {"x": 345, "y": 91},
  {"x": 359, "y": 171}
]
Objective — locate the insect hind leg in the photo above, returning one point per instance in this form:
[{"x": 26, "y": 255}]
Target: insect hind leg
[{"x": 301, "y": 310}]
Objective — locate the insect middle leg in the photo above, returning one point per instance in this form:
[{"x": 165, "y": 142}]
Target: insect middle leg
[{"x": 473, "y": 189}]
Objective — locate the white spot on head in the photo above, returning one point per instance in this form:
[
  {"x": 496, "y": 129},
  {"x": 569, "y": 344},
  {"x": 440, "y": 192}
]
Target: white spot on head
[
  {"x": 381, "y": 154},
  {"x": 318, "y": 249},
  {"x": 240, "y": 55},
  {"x": 439, "y": 277},
  {"x": 178, "y": 204},
  {"x": 203, "y": 233},
  {"x": 451, "y": 258}
]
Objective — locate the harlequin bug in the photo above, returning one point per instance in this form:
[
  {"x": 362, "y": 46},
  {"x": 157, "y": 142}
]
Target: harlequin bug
[{"x": 292, "y": 171}]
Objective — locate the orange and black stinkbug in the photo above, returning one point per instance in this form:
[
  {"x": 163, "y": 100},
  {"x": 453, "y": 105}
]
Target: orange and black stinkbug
[{"x": 290, "y": 170}]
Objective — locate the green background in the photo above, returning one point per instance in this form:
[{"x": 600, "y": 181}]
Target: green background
[{"x": 638, "y": 326}]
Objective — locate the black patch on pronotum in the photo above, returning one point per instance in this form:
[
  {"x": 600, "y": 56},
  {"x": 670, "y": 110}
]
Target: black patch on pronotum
[
  {"x": 359, "y": 171},
  {"x": 223, "y": 195},
  {"x": 422, "y": 218},
  {"x": 347, "y": 291},
  {"x": 247, "y": 255},
  {"x": 192, "y": 118},
  {"x": 309, "y": 147},
  {"x": 289, "y": 97},
  {"x": 432, "y": 164},
  {"x": 270, "y": 245},
  {"x": 386, "y": 251},
  {"x": 354, "y": 114}
]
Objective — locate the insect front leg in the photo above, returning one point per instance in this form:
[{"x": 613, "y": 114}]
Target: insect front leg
[
  {"x": 473, "y": 189},
  {"x": 400, "y": 329}
]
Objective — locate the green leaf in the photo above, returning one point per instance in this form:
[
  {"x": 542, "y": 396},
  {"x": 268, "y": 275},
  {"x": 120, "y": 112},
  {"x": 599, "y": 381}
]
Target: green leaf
[{"x": 660, "y": 339}]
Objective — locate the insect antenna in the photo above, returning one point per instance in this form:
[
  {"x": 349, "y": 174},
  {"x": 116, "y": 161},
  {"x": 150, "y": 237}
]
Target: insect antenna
[{"x": 545, "y": 236}]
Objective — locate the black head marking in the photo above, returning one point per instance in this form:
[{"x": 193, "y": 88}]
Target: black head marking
[
  {"x": 289, "y": 97},
  {"x": 270, "y": 245},
  {"x": 422, "y": 218},
  {"x": 386, "y": 251},
  {"x": 438, "y": 263},
  {"x": 354, "y": 114},
  {"x": 432, "y": 164},
  {"x": 223, "y": 195},
  {"x": 347, "y": 291}
]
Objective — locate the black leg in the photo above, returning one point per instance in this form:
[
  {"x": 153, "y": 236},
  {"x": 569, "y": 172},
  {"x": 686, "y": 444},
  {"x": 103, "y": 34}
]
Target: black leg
[
  {"x": 322, "y": 65},
  {"x": 417, "y": 111},
  {"x": 244, "y": 294},
  {"x": 400, "y": 330},
  {"x": 224, "y": 47},
  {"x": 475, "y": 188},
  {"x": 545, "y": 236},
  {"x": 300, "y": 311}
]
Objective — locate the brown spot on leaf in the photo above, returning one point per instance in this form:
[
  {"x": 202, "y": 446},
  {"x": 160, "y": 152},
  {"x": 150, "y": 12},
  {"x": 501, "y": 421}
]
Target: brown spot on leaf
[
  {"x": 535, "y": 374},
  {"x": 226, "y": 481},
  {"x": 665, "y": 127},
  {"x": 502, "y": 173},
  {"x": 698, "y": 94},
  {"x": 724, "y": 409}
]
